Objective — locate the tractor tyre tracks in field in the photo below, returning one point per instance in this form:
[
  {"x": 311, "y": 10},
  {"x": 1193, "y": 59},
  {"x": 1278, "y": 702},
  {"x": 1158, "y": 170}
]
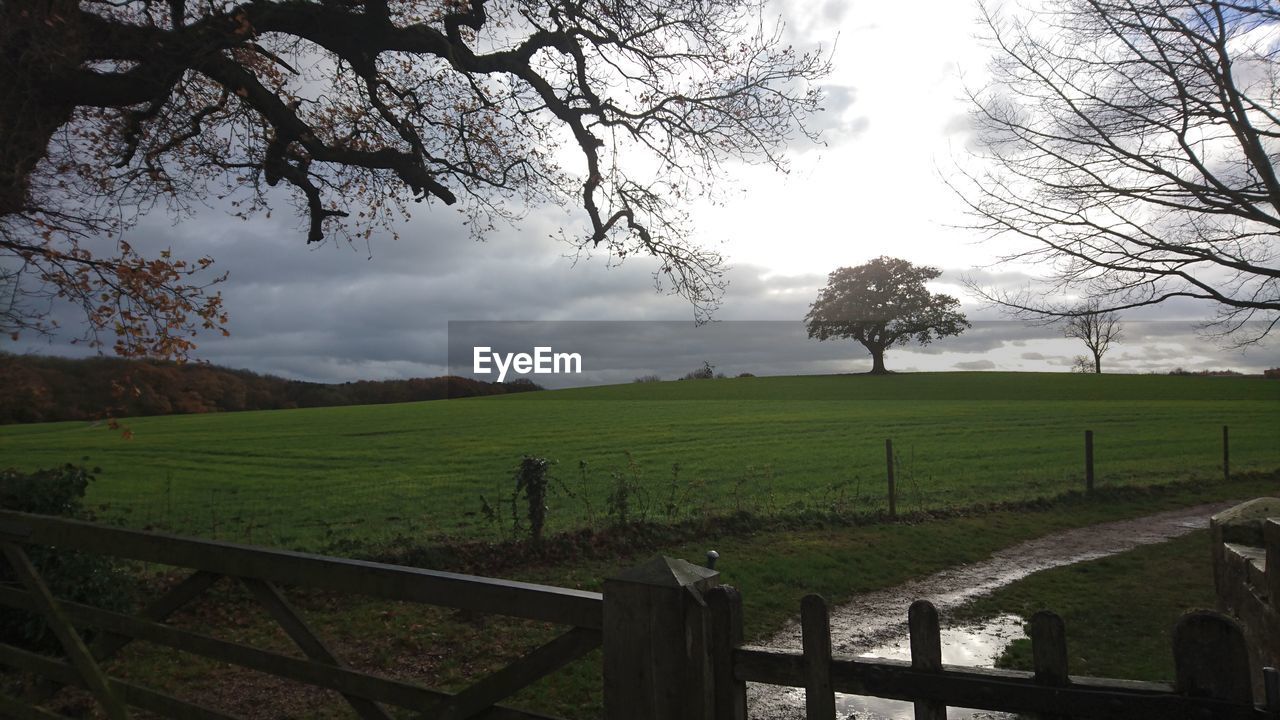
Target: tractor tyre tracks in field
[{"x": 878, "y": 619}]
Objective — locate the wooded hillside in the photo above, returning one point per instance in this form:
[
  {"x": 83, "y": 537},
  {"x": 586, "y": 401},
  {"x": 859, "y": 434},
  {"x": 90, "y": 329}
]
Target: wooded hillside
[{"x": 36, "y": 388}]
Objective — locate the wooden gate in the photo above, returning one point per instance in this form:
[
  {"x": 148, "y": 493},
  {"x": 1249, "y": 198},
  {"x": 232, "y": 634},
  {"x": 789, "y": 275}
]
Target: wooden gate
[{"x": 263, "y": 571}]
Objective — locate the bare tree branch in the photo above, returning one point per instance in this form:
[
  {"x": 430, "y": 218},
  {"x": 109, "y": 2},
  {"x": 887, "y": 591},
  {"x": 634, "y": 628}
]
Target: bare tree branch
[{"x": 1131, "y": 144}]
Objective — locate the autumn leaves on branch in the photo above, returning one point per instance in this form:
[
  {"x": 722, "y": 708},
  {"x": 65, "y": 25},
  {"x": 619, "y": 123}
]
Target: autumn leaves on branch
[{"x": 115, "y": 109}]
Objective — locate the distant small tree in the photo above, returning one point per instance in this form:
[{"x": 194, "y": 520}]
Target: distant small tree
[
  {"x": 1081, "y": 364},
  {"x": 1098, "y": 328},
  {"x": 882, "y": 304}
]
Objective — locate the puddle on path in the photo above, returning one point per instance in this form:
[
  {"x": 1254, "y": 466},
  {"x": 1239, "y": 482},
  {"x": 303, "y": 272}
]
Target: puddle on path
[
  {"x": 874, "y": 623},
  {"x": 966, "y": 645},
  {"x": 971, "y": 645}
]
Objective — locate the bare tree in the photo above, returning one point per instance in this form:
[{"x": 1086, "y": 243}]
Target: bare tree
[
  {"x": 1131, "y": 146},
  {"x": 112, "y": 108},
  {"x": 1081, "y": 364},
  {"x": 1096, "y": 327}
]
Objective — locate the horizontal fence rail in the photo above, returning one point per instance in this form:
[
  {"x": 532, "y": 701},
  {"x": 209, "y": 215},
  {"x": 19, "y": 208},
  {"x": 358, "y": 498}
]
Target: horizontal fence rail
[
  {"x": 262, "y": 571},
  {"x": 1210, "y": 656},
  {"x": 391, "y": 582}
]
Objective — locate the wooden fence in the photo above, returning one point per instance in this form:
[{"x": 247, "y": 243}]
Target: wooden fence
[
  {"x": 263, "y": 571},
  {"x": 1212, "y": 670},
  {"x": 672, "y": 640}
]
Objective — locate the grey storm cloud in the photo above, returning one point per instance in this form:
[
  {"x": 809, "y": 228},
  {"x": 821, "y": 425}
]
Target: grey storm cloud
[
  {"x": 395, "y": 308},
  {"x": 836, "y": 122},
  {"x": 962, "y": 132},
  {"x": 988, "y": 335},
  {"x": 337, "y": 312},
  {"x": 833, "y": 11}
]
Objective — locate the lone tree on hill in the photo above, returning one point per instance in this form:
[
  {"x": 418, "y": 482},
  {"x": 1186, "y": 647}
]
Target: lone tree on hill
[
  {"x": 1131, "y": 145},
  {"x": 882, "y": 304},
  {"x": 1096, "y": 327},
  {"x": 110, "y": 108}
]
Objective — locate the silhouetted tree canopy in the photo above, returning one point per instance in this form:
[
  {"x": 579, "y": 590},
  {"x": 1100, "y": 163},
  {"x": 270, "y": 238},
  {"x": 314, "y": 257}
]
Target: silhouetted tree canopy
[
  {"x": 882, "y": 304},
  {"x": 113, "y": 108}
]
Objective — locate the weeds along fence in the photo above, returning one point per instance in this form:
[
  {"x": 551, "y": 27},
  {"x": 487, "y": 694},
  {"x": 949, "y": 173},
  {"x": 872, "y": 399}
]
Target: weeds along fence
[
  {"x": 333, "y": 513},
  {"x": 671, "y": 638}
]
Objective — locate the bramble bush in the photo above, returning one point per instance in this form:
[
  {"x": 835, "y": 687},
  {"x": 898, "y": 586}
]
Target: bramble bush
[
  {"x": 531, "y": 480},
  {"x": 78, "y": 577}
]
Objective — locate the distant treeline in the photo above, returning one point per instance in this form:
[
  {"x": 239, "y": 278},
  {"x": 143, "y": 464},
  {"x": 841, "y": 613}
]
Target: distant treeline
[{"x": 37, "y": 388}]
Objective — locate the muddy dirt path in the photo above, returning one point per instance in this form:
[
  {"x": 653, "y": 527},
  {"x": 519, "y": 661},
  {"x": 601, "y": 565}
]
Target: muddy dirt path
[{"x": 877, "y": 619}]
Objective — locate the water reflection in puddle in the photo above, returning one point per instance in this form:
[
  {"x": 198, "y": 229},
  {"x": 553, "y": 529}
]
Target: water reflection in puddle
[{"x": 967, "y": 645}]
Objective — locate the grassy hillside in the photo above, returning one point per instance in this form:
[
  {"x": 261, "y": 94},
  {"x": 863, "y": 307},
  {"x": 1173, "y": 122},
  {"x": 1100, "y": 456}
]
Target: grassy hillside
[{"x": 305, "y": 477}]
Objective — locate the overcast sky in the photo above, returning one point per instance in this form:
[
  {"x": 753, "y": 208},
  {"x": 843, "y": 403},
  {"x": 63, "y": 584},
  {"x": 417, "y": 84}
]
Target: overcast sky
[{"x": 895, "y": 121}]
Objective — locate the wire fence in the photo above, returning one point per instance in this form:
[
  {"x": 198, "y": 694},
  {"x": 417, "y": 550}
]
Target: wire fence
[{"x": 333, "y": 513}]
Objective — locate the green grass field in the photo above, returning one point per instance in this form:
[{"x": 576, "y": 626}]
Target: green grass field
[{"x": 302, "y": 478}]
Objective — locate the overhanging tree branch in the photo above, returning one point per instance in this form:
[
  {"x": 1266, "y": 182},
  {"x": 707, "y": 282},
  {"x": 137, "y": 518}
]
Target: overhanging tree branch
[
  {"x": 364, "y": 106},
  {"x": 1128, "y": 142}
]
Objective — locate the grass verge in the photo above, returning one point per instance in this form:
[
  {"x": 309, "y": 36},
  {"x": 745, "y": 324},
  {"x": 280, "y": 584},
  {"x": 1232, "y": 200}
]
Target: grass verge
[{"x": 1119, "y": 611}]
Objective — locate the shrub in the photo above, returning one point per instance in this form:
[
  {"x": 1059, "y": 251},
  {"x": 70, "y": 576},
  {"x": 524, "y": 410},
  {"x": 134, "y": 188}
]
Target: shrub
[
  {"x": 628, "y": 500},
  {"x": 531, "y": 480},
  {"x": 648, "y": 379},
  {"x": 1204, "y": 373},
  {"x": 78, "y": 577},
  {"x": 706, "y": 372},
  {"x": 746, "y": 374}
]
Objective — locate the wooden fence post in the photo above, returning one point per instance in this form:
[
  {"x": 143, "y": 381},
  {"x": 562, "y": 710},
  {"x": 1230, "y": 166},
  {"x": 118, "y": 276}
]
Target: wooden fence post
[
  {"x": 815, "y": 626},
  {"x": 1271, "y": 567},
  {"x": 1211, "y": 658},
  {"x": 1049, "y": 649},
  {"x": 1271, "y": 689},
  {"x": 657, "y": 642},
  {"x": 1226, "y": 455},
  {"x": 1088, "y": 460},
  {"x": 926, "y": 652},
  {"x": 1049, "y": 652},
  {"x": 730, "y": 693},
  {"x": 888, "y": 460}
]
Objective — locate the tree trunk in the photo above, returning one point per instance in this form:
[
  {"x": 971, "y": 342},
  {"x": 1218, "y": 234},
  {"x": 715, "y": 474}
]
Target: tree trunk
[
  {"x": 877, "y": 361},
  {"x": 1097, "y": 363},
  {"x": 37, "y": 40}
]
